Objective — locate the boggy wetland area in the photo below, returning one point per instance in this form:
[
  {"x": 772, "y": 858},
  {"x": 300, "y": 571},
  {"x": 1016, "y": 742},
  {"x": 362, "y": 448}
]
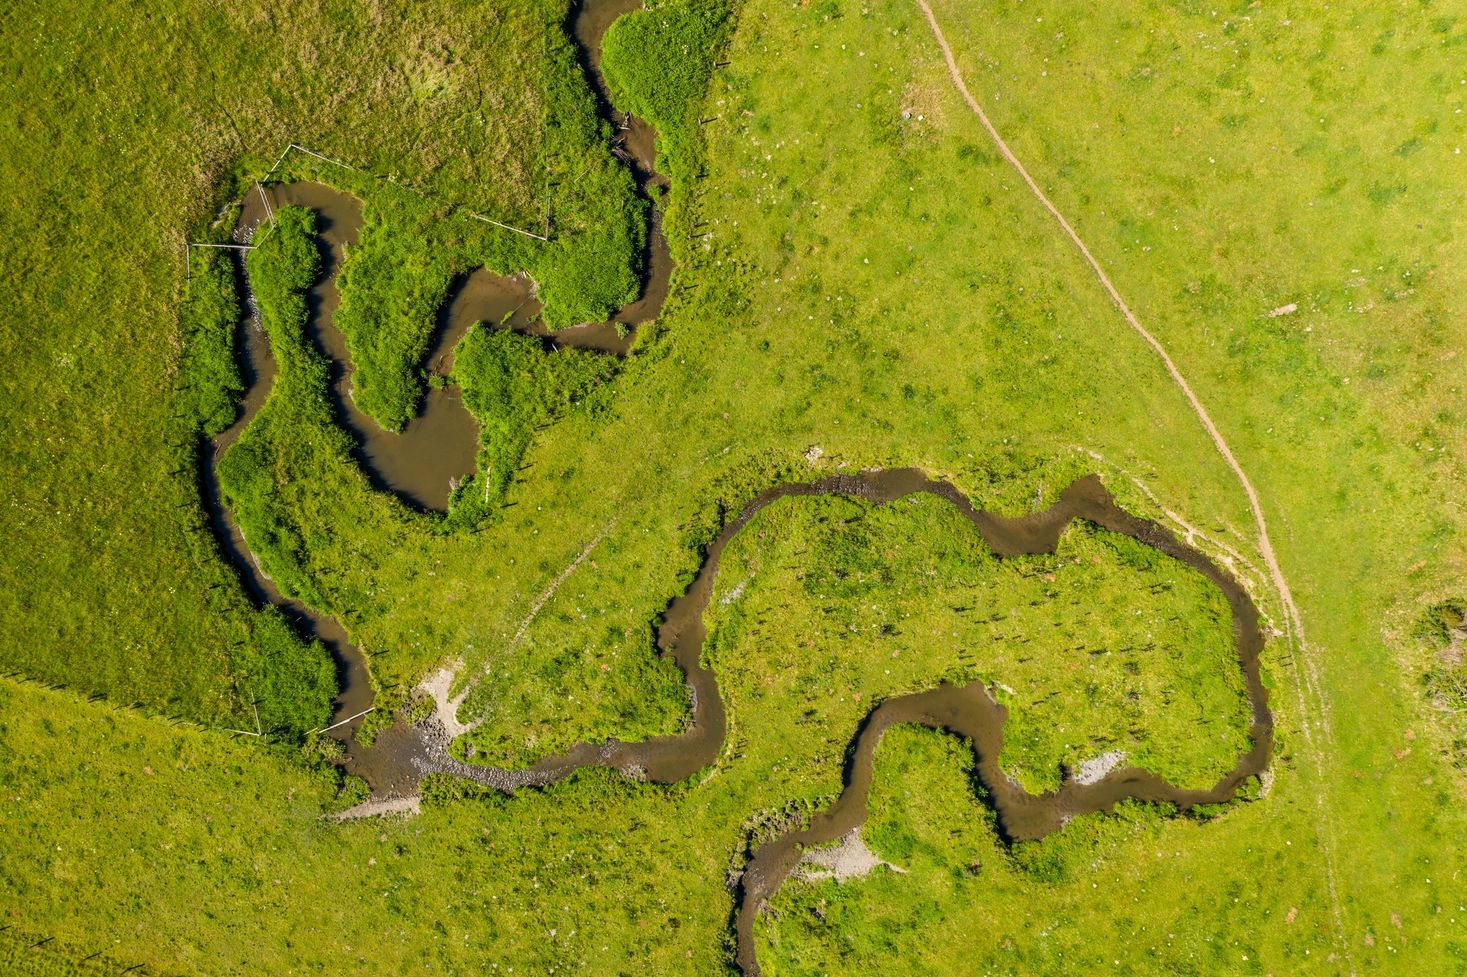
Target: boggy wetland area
[{"x": 734, "y": 487}]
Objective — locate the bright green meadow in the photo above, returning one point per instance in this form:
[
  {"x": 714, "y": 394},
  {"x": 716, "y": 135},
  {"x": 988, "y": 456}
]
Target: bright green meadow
[{"x": 862, "y": 281}]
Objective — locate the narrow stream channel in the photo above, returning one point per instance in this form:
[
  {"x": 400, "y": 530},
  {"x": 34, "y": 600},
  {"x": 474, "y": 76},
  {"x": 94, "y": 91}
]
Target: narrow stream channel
[
  {"x": 439, "y": 445},
  {"x": 437, "y": 448},
  {"x": 967, "y": 710}
]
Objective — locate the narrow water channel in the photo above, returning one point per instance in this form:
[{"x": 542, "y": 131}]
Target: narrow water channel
[
  {"x": 967, "y": 710},
  {"x": 971, "y": 712},
  {"x": 437, "y": 448}
]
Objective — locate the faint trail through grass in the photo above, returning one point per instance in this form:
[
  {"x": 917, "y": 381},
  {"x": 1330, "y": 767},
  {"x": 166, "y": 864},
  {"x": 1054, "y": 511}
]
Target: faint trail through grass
[
  {"x": 1306, "y": 675},
  {"x": 549, "y": 591}
]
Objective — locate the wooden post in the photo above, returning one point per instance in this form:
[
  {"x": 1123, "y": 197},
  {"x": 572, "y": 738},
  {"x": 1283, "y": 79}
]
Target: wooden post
[
  {"x": 346, "y": 720},
  {"x": 269, "y": 211}
]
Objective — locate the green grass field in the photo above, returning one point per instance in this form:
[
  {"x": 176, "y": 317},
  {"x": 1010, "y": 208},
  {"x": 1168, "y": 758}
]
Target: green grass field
[{"x": 863, "y": 281}]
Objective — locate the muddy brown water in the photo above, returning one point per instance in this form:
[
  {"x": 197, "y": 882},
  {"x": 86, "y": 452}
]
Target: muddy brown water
[
  {"x": 971, "y": 712},
  {"x": 966, "y": 710},
  {"x": 404, "y": 754},
  {"x": 354, "y": 693},
  {"x": 437, "y": 448},
  {"x": 636, "y": 139}
]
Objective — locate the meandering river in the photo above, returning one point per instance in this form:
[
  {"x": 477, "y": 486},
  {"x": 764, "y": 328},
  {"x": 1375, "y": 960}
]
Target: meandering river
[{"x": 439, "y": 446}]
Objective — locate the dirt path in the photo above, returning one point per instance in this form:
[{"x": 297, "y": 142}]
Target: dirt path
[
  {"x": 1306, "y": 674},
  {"x": 549, "y": 591}
]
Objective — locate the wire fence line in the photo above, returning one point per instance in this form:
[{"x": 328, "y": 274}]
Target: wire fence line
[
  {"x": 398, "y": 183},
  {"x": 139, "y": 709},
  {"x": 188, "y": 254},
  {"x": 343, "y": 722},
  {"x": 297, "y": 147},
  {"x": 265, "y": 199}
]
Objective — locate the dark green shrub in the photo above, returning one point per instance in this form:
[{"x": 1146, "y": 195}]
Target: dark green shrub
[{"x": 354, "y": 790}]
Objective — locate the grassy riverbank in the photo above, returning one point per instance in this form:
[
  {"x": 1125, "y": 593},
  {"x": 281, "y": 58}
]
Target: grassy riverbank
[
  {"x": 961, "y": 896},
  {"x": 112, "y": 580},
  {"x": 394, "y": 280},
  {"x": 822, "y": 609},
  {"x": 863, "y": 282}
]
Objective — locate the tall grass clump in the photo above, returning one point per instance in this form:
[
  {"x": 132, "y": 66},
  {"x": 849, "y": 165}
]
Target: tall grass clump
[
  {"x": 211, "y": 385},
  {"x": 512, "y": 386},
  {"x": 1443, "y": 629}
]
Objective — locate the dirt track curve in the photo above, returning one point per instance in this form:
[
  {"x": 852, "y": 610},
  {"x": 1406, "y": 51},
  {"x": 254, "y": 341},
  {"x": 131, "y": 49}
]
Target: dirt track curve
[{"x": 1306, "y": 673}]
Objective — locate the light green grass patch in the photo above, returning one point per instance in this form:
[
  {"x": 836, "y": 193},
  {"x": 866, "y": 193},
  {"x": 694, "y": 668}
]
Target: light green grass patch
[{"x": 825, "y": 608}]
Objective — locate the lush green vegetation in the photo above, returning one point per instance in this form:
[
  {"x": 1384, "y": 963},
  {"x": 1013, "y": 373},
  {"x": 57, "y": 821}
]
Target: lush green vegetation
[
  {"x": 1099, "y": 647},
  {"x": 396, "y": 277},
  {"x": 513, "y": 387},
  {"x": 392, "y": 292},
  {"x": 212, "y": 385},
  {"x": 288, "y": 682},
  {"x": 113, "y": 582},
  {"x": 871, "y": 281},
  {"x": 296, "y": 418},
  {"x": 657, "y": 64},
  {"x": 575, "y": 857}
]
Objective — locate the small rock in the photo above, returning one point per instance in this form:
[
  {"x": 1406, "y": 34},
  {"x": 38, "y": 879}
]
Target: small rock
[{"x": 1093, "y": 771}]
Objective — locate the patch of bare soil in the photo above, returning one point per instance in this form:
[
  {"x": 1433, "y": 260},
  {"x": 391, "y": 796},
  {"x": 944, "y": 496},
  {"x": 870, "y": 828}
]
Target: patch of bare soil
[{"x": 848, "y": 858}]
